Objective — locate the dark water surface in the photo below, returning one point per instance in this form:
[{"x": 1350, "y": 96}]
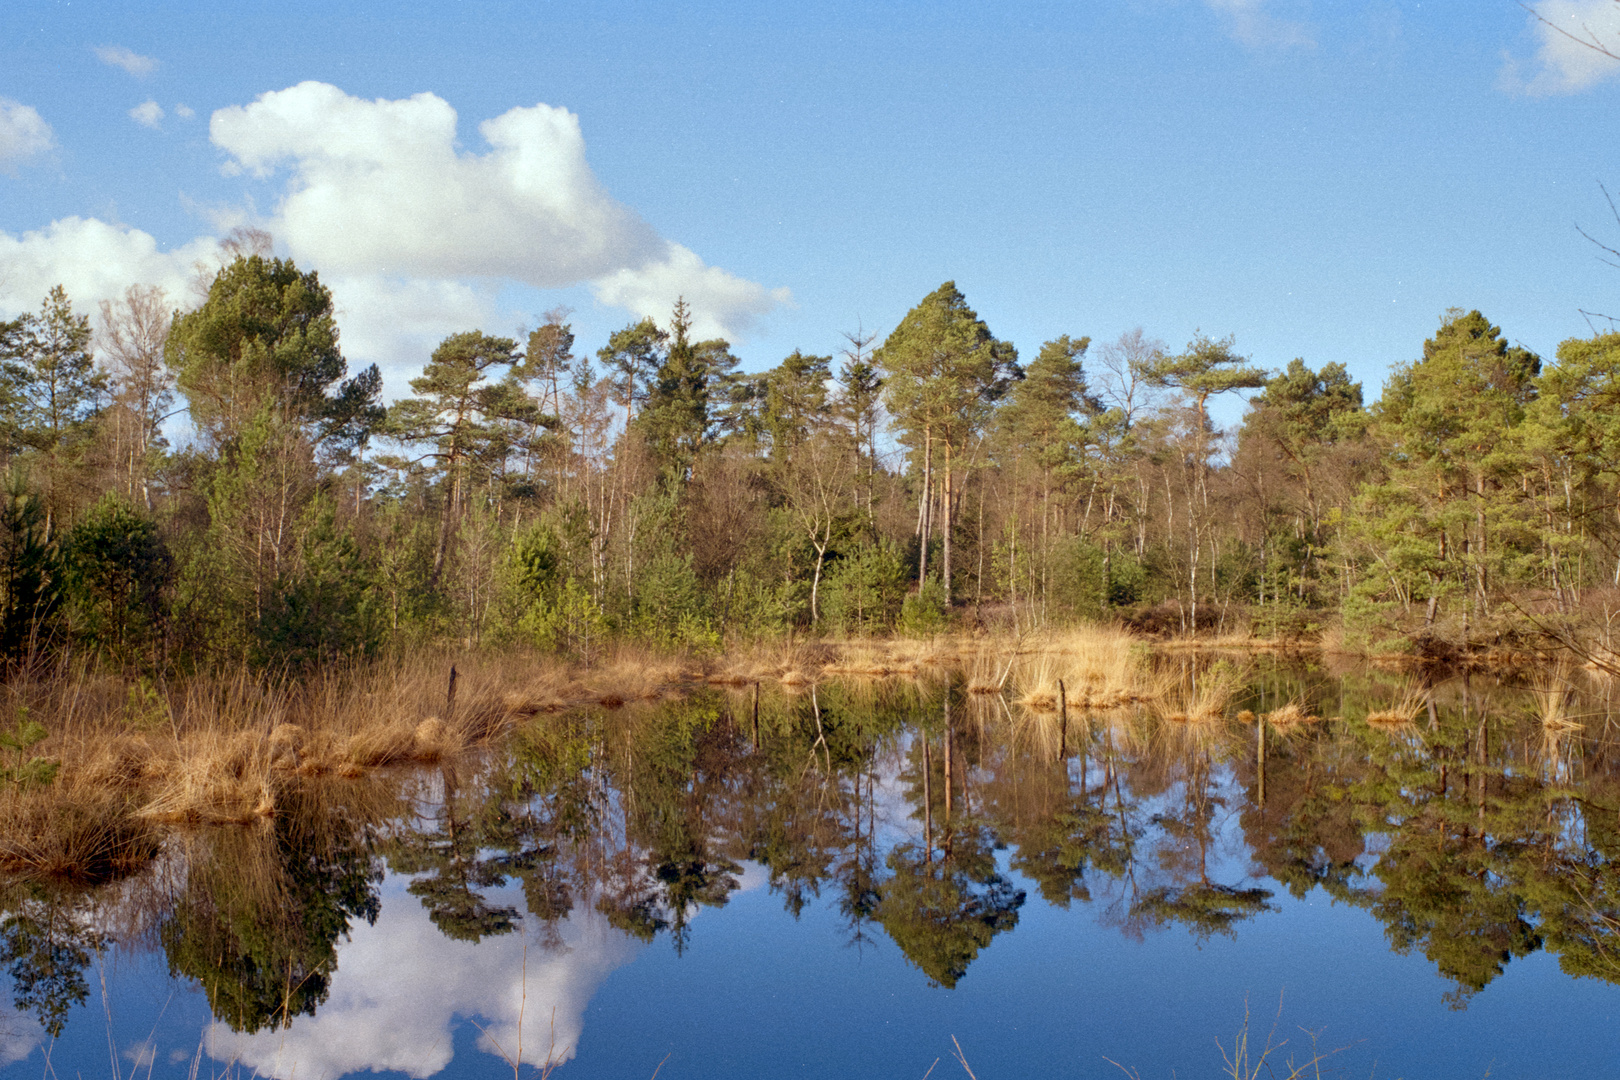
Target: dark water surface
[{"x": 660, "y": 888}]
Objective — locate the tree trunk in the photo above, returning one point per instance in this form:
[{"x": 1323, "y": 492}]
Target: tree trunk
[
  {"x": 945, "y": 505},
  {"x": 927, "y": 505}
]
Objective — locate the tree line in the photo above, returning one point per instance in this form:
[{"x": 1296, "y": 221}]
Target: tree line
[{"x": 528, "y": 492}]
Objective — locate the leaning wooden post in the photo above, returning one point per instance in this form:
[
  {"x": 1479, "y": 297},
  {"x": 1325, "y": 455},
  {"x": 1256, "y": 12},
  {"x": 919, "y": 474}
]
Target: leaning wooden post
[
  {"x": 756, "y": 715},
  {"x": 1063, "y": 722},
  {"x": 450, "y": 695}
]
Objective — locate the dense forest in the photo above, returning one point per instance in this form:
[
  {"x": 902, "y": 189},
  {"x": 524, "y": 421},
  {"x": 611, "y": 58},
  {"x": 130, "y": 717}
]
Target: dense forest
[{"x": 526, "y": 492}]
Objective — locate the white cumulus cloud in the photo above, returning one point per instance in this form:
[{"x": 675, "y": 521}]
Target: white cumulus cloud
[
  {"x": 20, "y": 1035},
  {"x": 93, "y": 261},
  {"x": 401, "y": 985},
  {"x": 396, "y": 322},
  {"x": 120, "y": 57},
  {"x": 1254, "y": 25},
  {"x": 414, "y": 234},
  {"x": 149, "y": 113},
  {"x": 722, "y": 303},
  {"x": 184, "y": 112},
  {"x": 383, "y": 189},
  {"x": 1576, "y": 45},
  {"x": 24, "y": 134}
]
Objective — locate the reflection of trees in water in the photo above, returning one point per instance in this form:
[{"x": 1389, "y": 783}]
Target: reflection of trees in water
[
  {"x": 1185, "y": 831},
  {"x": 450, "y": 855},
  {"x": 942, "y": 911},
  {"x": 1486, "y": 850},
  {"x": 1472, "y": 837},
  {"x": 261, "y": 912},
  {"x": 46, "y": 944}
]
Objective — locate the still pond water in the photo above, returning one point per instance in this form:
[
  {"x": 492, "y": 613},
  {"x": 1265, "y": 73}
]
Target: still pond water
[{"x": 869, "y": 869}]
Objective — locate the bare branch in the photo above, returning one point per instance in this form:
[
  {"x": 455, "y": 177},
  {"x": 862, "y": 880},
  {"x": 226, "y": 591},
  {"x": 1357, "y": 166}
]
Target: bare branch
[{"x": 1590, "y": 41}]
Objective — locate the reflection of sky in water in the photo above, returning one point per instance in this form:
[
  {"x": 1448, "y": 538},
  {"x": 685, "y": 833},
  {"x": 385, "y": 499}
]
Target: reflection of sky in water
[
  {"x": 759, "y": 993},
  {"x": 20, "y": 1035},
  {"x": 401, "y": 985},
  {"x": 401, "y": 988}
]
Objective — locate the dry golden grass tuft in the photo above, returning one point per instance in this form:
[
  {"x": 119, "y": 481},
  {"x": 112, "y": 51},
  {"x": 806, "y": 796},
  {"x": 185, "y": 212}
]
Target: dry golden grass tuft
[
  {"x": 78, "y": 828},
  {"x": 1198, "y": 694},
  {"x": 1294, "y": 714},
  {"x": 229, "y": 748},
  {"x": 1404, "y": 711},
  {"x": 1551, "y": 692},
  {"x": 1099, "y": 667},
  {"x": 864, "y": 659}
]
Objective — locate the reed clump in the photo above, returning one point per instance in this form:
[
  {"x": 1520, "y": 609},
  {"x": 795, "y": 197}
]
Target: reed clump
[
  {"x": 1199, "y": 695},
  {"x": 862, "y": 659},
  {"x": 987, "y": 671},
  {"x": 1094, "y": 668},
  {"x": 1550, "y": 694},
  {"x": 1404, "y": 711},
  {"x": 1293, "y": 714},
  {"x": 78, "y": 828},
  {"x": 121, "y": 761}
]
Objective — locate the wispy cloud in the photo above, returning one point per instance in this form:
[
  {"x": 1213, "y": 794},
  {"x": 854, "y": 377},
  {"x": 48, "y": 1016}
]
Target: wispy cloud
[
  {"x": 120, "y": 57},
  {"x": 24, "y": 135},
  {"x": 1253, "y": 24},
  {"x": 149, "y": 113},
  {"x": 184, "y": 112},
  {"x": 1577, "y": 45}
]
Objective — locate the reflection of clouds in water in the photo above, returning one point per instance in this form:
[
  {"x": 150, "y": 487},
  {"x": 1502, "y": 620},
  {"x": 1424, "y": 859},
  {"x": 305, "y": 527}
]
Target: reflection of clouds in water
[
  {"x": 400, "y": 984},
  {"x": 19, "y": 1034}
]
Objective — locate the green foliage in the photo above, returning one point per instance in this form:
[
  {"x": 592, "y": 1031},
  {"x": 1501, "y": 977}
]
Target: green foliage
[
  {"x": 324, "y": 606},
  {"x": 455, "y": 411},
  {"x": 30, "y": 572},
  {"x": 676, "y": 418},
  {"x": 1080, "y": 581},
  {"x": 1205, "y": 908},
  {"x": 753, "y": 607},
  {"x": 265, "y": 335},
  {"x": 1126, "y": 577},
  {"x": 49, "y": 379},
  {"x": 1207, "y": 368},
  {"x": 46, "y": 948},
  {"x": 672, "y": 606},
  {"x": 943, "y": 914},
  {"x": 684, "y": 502},
  {"x": 258, "y": 922},
  {"x": 145, "y": 708},
  {"x": 864, "y": 591},
  {"x": 632, "y": 356},
  {"x": 1439, "y": 531},
  {"x": 542, "y": 604},
  {"x": 944, "y": 368},
  {"x": 119, "y": 573},
  {"x": 24, "y": 770},
  {"x": 922, "y": 613}
]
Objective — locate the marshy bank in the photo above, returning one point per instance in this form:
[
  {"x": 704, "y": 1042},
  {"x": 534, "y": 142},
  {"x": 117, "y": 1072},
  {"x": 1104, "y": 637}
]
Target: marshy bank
[
  {"x": 100, "y": 768},
  {"x": 892, "y": 855}
]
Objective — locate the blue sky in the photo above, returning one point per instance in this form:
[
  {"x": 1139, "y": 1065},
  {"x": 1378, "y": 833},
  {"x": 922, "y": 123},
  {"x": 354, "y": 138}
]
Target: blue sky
[{"x": 1320, "y": 179}]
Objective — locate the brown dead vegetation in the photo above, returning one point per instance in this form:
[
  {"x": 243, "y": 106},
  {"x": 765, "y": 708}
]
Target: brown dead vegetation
[
  {"x": 1403, "y": 712},
  {"x": 140, "y": 760}
]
